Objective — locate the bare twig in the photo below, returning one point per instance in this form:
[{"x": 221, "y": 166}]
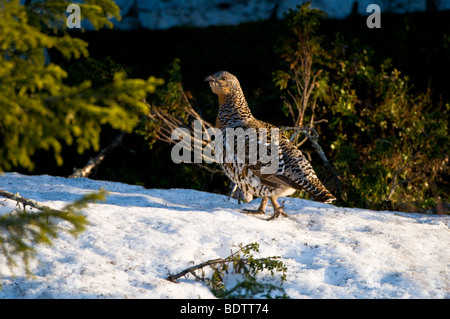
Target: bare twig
[
  {"x": 394, "y": 179},
  {"x": 212, "y": 262}
]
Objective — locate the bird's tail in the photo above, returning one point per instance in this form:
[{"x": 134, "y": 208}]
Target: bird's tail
[
  {"x": 324, "y": 196},
  {"x": 299, "y": 170},
  {"x": 318, "y": 191}
]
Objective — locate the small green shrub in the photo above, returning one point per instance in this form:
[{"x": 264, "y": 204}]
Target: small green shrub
[
  {"x": 244, "y": 265},
  {"x": 389, "y": 145}
]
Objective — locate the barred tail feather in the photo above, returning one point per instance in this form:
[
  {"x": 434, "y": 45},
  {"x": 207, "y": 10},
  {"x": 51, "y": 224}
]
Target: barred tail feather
[{"x": 324, "y": 197}]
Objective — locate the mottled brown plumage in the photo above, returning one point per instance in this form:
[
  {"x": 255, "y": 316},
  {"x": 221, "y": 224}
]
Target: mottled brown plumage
[{"x": 294, "y": 172}]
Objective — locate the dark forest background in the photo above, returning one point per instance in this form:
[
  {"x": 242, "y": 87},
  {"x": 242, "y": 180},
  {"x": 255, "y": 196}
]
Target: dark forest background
[{"x": 416, "y": 44}]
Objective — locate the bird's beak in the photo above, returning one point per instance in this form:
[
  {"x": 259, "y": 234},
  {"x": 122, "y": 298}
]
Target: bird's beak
[{"x": 210, "y": 79}]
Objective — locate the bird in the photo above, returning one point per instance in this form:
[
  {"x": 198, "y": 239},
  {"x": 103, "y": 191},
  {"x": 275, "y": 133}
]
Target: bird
[{"x": 293, "y": 172}]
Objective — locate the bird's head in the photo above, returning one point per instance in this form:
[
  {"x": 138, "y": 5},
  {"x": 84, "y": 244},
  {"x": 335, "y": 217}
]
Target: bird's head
[{"x": 223, "y": 83}]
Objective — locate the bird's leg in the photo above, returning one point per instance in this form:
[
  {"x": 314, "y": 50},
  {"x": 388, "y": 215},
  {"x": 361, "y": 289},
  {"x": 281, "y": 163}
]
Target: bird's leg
[
  {"x": 233, "y": 191},
  {"x": 277, "y": 209},
  {"x": 261, "y": 209}
]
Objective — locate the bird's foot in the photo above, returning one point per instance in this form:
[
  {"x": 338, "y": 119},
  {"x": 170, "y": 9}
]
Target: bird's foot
[
  {"x": 253, "y": 211},
  {"x": 279, "y": 211}
]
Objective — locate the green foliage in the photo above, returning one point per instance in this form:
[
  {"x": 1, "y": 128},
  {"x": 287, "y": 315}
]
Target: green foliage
[
  {"x": 170, "y": 101},
  {"x": 99, "y": 72},
  {"x": 22, "y": 231},
  {"x": 244, "y": 265},
  {"x": 52, "y": 13},
  {"x": 300, "y": 50},
  {"x": 390, "y": 146},
  {"x": 37, "y": 109}
]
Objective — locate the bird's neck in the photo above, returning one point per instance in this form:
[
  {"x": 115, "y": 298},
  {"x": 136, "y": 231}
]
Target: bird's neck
[{"x": 233, "y": 109}]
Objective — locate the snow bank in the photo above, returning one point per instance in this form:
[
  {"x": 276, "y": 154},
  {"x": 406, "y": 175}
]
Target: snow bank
[
  {"x": 162, "y": 14},
  {"x": 139, "y": 236}
]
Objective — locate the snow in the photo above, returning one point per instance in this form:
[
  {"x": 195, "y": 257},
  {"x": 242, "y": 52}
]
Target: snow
[
  {"x": 163, "y": 14},
  {"x": 138, "y": 236}
]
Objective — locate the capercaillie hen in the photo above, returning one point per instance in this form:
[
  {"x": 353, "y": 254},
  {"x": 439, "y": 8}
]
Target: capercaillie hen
[{"x": 293, "y": 171}]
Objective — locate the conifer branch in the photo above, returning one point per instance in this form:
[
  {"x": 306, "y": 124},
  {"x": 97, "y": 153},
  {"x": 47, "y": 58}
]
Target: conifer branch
[
  {"x": 191, "y": 270},
  {"x": 241, "y": 262},
  {"x": 22, "y": 231}
]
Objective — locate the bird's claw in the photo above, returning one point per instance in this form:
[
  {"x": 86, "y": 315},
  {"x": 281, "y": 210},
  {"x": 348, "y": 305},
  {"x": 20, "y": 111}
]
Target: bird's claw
[{"x": 279, "y": 211}]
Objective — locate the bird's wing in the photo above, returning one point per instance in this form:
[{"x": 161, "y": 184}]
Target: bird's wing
[
  {"x": 275, "y": 180},
  {"x": 294, "y": 171}
]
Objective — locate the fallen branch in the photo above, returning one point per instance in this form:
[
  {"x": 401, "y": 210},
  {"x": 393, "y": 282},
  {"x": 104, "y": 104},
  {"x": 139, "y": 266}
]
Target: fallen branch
[
  {"x": 213, "y": 262},
  {"x": 94, "y": 162},
  {"x": 27, "y": 202},
  {"x": 234, "y": 257},
  {"x": 21, "y": 231},
  {"x": 240, "y": 259},
  {"x": 241, "y": 262}
]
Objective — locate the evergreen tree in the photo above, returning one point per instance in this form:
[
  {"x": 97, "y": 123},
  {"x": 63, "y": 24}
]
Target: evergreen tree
[{"x": 38, "y": 110}]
